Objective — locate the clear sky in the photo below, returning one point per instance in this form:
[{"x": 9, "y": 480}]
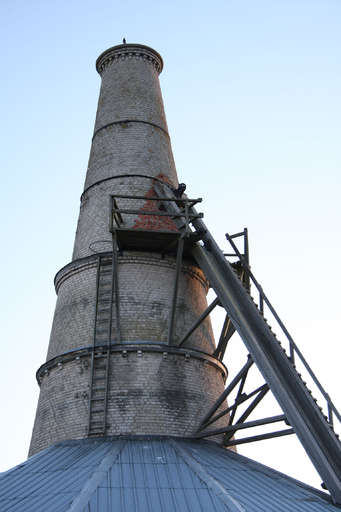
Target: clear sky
[{"x": 252, "y": 97}]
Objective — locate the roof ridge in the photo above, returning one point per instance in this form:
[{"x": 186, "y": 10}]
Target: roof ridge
[
  {"x": 211, "y": 482},
  {"x": 99, "y": 473}
]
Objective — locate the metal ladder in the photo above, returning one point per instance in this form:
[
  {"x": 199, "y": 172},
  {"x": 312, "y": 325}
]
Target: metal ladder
[
  {"x": 313, "y": 429},
  {"x": 100, "y": 358}
]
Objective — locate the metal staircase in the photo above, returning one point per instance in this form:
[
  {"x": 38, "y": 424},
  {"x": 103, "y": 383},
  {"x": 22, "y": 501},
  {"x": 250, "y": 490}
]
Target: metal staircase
[
  {"x": 100, "y": 359},
  {"x": 277, "y": 366}
]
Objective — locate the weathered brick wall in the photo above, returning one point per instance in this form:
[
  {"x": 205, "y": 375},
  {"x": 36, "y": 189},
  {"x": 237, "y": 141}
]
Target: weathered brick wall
[
  {"x": 149, "y": 393},
  {"x": 130, "y": 137},
  {"x": 63, "y": 405},
  {"x": 146, "y": 283},
  {"x": 151, "y": 390},
  {"x": 93, "y": 225}
]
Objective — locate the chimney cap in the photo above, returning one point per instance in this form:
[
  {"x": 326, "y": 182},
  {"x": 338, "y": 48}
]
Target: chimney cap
[{"x": 129, "y": 50}]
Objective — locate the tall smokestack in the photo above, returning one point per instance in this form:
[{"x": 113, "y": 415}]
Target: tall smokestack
[{"x": 113, "y": 365}]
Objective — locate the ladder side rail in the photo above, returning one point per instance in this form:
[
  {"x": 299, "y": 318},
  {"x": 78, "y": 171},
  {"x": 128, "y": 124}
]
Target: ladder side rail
[
  {"x": 303, "y": 414},
  {"x": 94, "y": 343}
]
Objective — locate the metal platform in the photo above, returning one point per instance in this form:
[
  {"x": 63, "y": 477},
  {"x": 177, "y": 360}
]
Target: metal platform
[{"x": 164, "y": 242}]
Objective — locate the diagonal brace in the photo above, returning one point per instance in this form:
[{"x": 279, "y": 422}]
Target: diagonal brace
[
  {"x": 249, "y": 410},
  {"x": 243, "y": 398},
  {"x": 228, "y": 390},
  {"x": 200, "y": 319}
]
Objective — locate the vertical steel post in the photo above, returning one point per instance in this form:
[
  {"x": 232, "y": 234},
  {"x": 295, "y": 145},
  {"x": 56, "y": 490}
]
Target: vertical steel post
[
  {"x": 115, "y": 284},
  {"x": 179, "y": 253}
]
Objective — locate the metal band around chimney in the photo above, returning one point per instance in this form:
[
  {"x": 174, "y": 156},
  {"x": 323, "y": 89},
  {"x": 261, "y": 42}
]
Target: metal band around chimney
[
  {"x": 123, "y": 121},
  {"x": 130, "y": 347},
  {"x": 129, "y": 175}
]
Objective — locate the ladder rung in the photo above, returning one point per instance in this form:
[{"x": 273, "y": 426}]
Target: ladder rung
[{"x": 101, "y": 358}]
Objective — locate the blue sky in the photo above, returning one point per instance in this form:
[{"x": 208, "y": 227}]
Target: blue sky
[{"x": 253, "y": 103}]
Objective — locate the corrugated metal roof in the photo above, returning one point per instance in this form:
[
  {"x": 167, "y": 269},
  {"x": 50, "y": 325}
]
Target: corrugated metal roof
[{"x": 151, "y": 474}]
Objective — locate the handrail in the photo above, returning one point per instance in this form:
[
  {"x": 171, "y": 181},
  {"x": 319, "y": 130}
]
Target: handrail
[
  {"x": 292, "y": 345},
  {"x": 183, "y": 204}
]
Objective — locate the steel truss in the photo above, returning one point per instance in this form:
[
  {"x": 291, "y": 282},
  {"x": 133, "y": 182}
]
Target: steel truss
[{"x": 281, "y": 366}]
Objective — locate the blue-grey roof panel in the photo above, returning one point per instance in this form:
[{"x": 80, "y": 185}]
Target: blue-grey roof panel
[
  {"x": 147, "y": 475},
  {"x": 270, "y": 490}
]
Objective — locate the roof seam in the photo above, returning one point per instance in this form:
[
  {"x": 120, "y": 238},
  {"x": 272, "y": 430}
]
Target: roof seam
[
  {"x": 209, "y": 480},
  {"x": 96, "y": 478}
]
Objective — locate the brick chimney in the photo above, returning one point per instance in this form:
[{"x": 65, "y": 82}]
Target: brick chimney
[{"x": 113, "y": 365}]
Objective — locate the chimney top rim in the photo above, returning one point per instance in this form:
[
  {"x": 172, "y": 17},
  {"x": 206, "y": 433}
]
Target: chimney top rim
[{"x": 122, "y": 50}]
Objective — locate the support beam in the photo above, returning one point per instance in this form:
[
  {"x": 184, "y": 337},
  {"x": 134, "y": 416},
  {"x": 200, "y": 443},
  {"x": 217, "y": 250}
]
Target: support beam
[
  {"x": 239, "y": 392},
  {"x": 261, "y": 437},
  {"x": 228, "y": 390},
  {"x": 240, "y": 426},
  {"x": 249, "y": 410},
  {"x": 226, "y": 333},
  {"x": 179, "y": 254},
  {"x": 243, "y": 398},
  {"x": 115, "y": 286},
  {"x": 200, "y": 319}
]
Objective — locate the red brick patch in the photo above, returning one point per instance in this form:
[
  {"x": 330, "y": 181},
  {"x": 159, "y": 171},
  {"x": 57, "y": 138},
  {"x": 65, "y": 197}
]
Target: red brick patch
[{"x": 154, "y": 222}]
